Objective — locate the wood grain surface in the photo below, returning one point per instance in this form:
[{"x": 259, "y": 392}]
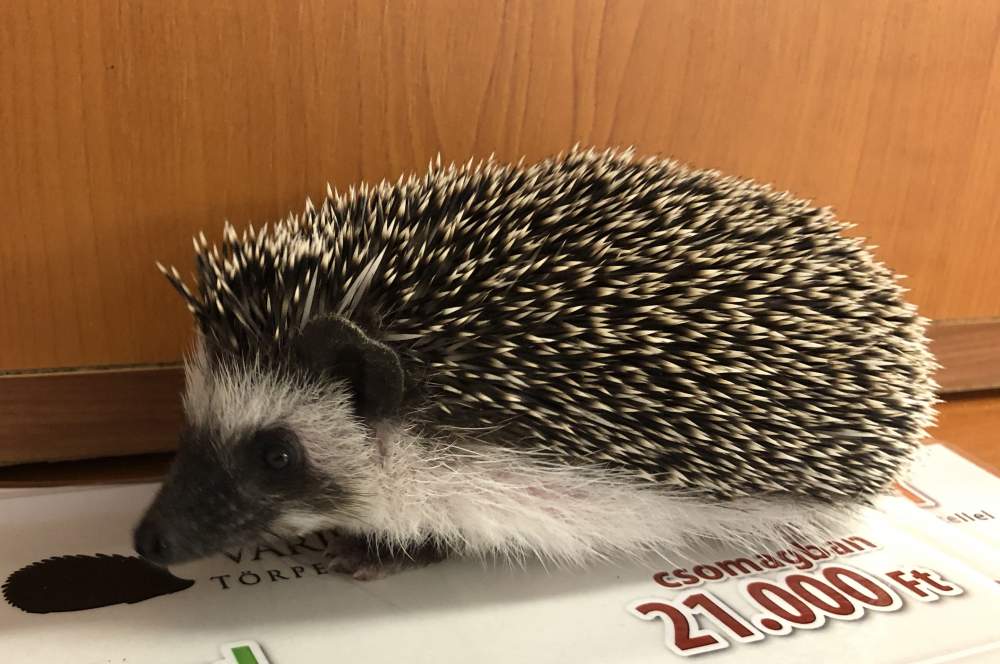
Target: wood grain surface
[
  {"x": 969, "y": 354},
  {"x": 971, "y": 426},
  {"x": 89, "y": 414},
  {"x": 126, "y": 126},
  {"x": 115, "y": 470}
]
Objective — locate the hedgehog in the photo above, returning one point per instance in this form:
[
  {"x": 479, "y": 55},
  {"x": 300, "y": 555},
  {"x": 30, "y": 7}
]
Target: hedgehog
[{"x": 597, "y": 356}]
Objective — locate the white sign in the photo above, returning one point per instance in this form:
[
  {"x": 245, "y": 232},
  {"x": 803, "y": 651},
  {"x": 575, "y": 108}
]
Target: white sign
[{"x": 913, "y": 582}]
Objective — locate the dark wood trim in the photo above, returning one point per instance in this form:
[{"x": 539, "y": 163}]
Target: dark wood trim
[
  {"x": 116, "y": 470},
  {"x": 969, "y": 352},
  {"x": 87, "y": 414}
]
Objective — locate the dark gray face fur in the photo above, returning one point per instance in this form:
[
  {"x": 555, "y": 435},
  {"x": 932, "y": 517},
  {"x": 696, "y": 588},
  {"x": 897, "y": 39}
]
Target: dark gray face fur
[
  {"x": 218, "y": 495},
  {"x": 286, "y": 475}
]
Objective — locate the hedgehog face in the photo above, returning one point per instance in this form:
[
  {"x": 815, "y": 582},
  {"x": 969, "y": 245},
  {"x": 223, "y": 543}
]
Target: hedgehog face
[
  {"x": 271, "y": 449},
  {"x": 224, "y": 491}
]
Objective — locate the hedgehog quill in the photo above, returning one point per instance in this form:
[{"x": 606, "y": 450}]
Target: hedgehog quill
[{"x": 588, "y": 358}]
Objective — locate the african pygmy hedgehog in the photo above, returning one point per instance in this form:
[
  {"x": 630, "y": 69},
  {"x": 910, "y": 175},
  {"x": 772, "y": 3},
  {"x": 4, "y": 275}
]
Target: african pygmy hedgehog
[{"x": 589, "y": 357}]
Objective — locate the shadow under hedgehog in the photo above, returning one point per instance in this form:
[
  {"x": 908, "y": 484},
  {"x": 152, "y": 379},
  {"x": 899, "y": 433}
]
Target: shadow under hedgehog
[{"x": 587, "y": 358}]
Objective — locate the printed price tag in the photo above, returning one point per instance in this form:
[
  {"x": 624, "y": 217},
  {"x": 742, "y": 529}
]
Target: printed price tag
[{"x": 796, "y": 600}]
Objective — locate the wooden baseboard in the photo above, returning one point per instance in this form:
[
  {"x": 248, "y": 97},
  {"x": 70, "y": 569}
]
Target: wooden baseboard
[
  {"x": 969, "y": 352},
  {"x": 88, "y": 414},
  {"x": 116, "y": 470}
]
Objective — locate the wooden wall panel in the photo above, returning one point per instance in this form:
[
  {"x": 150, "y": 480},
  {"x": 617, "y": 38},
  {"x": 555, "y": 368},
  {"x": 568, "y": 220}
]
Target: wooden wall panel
[{"x": 125, "y": 126}]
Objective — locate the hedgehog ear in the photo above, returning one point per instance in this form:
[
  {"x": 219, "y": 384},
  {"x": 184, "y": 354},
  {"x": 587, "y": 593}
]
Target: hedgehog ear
[{"x": 337, "y": 348}]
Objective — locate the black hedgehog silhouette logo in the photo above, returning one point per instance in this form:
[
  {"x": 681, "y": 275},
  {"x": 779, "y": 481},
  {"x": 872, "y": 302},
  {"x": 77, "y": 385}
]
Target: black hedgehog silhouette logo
[{"x": 79, "y": 582}]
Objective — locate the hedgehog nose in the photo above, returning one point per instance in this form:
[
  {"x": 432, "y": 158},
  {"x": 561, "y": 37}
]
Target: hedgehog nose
[{"x": 150, "y": 543}]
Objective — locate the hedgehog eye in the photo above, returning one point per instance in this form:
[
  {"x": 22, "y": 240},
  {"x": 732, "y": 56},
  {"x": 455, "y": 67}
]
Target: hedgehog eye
[
  {"x": 277, "y": 456},
  {"x": 275, "y": 449}
]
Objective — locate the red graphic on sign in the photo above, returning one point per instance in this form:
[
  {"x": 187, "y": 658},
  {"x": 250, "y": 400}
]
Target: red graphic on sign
[{"x": 915, "y": 495}]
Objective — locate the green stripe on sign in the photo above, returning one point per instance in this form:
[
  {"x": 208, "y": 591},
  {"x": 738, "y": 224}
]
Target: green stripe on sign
[{"x": 244, "y": 655}]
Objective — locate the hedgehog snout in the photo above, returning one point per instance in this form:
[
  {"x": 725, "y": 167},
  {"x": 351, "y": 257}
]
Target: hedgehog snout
[
  {"x": 176, "y": 529},
  {"x": 150, "y": 541},
  {"x": 199, "y": 509}
]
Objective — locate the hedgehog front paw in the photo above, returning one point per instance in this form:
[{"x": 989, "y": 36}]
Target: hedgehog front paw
[
  {"x": 367, "y": 559},
  {"x": 348, "y": 554}
]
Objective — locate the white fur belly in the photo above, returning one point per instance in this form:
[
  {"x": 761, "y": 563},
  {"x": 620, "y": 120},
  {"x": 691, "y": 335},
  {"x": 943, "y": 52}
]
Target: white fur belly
[{"x": 493, "y": 502}]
